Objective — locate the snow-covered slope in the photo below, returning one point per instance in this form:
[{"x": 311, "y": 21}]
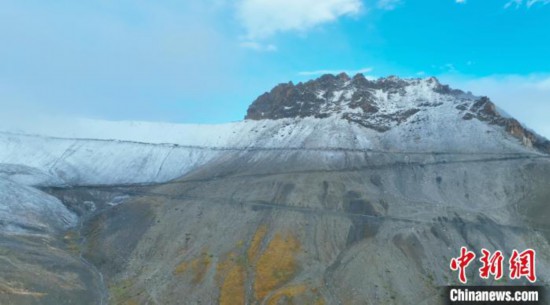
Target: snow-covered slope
[
  {"x": 29, "y": 176},
  {"x": 332, "y": 112},
  {"x": 85, "y": 162},
  {"x": 25, "y": 210},
  {"x": 136, "y": 156}
]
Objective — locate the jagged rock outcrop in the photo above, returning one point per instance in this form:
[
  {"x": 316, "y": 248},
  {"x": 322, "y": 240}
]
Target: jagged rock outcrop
[
  {"x": 380, "y": 104},
  {"x": 356, "y": 99},
  {"x": 485, "y": 110}
]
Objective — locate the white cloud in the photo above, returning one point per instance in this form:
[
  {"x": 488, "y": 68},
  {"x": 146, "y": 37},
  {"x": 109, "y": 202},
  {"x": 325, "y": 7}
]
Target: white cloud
[
  {"x": 517, "y": 3},
  {"x": 533, "y": 2},
  {"x": 446, "y": 68},
  {"x": 527, "y": 98},
  {"x": 256, "y": 46},
  {"x": 262, "y": 18},
  {"x": 388, "y": 4},
  {"x": 321, "y": 72},
  {"x": 528, "y": 3}
]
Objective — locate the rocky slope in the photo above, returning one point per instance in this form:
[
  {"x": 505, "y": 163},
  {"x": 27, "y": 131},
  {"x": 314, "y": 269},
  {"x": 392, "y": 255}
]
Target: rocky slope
[
  {"x": 336, "y": 191},
  {"x": 387, "y": 103}
]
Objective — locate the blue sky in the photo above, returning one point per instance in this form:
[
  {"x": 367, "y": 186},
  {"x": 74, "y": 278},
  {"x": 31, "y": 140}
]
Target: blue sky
[{"x": 205, "y": 61}]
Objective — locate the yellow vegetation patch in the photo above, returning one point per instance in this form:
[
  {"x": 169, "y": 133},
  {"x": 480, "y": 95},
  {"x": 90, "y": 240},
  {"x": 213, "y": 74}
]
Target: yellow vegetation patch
[
  {"x": 181, "y": 268},
  {"x": 199, "y": 266},
  {"x": 232, "y": 292},
  {"x": 276, "y": 265},
  {"x": 256, "y": 242},
  {"x": 224, "y": 266},
  {"x": 289, "y": 292}
]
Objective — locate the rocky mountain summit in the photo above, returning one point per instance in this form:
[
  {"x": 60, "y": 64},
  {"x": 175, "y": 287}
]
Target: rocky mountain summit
[
  {"x": 341, "y": 95},
  {"x": 337, "y": 191},
  {"x": 382, "y": 104}
]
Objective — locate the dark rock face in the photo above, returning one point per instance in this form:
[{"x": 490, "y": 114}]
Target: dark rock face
[
  {"x": 296, "y": 101},
  {"x": 381, "y": 104},
  {"x": 329, "y": 94},
  {"x": 353, "y": 99},
  {"x": 485, "y": 110}
]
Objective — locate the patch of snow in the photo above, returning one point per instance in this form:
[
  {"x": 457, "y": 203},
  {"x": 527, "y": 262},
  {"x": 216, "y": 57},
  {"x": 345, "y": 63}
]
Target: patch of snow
[
  {"x": 27, "y": 175},
  {"x": 118, "y": 200},
  {"x": 320, "y": 94},
  {"x": 26, "y": 210},
  {"x": 337, "y": 95}
]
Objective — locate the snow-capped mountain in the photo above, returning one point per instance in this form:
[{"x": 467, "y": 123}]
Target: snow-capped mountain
[
  {"x": 406, "y": 113},
  {"x": 330, "y": 113},
  {"x": 333, "y": 191}
]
